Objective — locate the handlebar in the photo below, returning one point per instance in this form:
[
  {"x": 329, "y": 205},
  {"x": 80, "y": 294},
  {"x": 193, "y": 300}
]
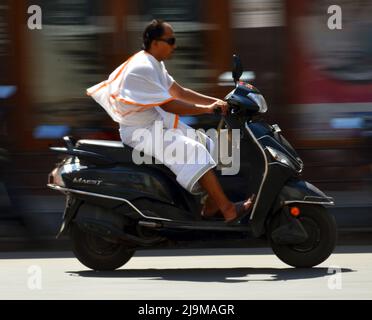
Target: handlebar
[{"x": 218, "y": 111}]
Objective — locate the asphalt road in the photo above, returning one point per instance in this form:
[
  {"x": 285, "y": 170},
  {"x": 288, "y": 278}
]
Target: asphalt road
[{"x": 213, "y": 274}]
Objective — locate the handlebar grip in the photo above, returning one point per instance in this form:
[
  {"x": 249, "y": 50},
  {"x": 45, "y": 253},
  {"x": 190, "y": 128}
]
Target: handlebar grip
[{"x": 217, "y": 111}]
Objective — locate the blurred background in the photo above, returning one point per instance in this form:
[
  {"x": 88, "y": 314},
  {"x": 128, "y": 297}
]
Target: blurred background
[{"x": 317, "y": 82}]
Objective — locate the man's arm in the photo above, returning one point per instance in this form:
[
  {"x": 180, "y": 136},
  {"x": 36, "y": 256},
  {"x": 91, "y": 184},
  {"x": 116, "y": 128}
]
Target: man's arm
[
  {"x": 189, "y": 95},
  {"x": 185, "y": 108}
]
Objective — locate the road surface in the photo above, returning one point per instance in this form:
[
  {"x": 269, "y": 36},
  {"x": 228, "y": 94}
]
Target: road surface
[{"x": 212, "y": 274}]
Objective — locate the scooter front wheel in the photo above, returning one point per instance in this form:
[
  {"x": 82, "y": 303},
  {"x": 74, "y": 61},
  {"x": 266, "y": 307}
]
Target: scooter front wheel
[
  {"x": 322, "y": 236},
  {"x": 96, "y": 252}
]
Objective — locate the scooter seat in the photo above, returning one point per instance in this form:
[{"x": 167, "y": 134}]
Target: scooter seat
[
  {"x": 113, "y": 150},
  {"x": 116, "y": 151},
  {"x": 119, "y": 153}
]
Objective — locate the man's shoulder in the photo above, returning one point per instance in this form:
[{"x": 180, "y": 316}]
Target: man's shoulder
[{"x": 140, "y": 63}]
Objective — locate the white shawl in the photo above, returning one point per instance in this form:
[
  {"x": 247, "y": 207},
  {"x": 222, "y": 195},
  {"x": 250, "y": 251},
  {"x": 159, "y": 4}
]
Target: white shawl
[{"x": 134, "y": 91}]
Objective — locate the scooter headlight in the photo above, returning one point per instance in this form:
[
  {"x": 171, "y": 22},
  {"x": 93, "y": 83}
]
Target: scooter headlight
[
  {"x": 260, "y": 101},
  {"x": 282, "y": 158}
]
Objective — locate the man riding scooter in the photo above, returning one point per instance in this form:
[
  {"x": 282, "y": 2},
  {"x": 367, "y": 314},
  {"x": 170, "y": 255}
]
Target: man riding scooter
[
  {"x": 140, "y": 92},
  {"x": 114, "y": 206}
]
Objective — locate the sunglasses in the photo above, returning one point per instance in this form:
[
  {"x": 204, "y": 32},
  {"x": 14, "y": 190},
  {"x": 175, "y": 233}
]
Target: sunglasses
[{"x": 170, "y": 41}]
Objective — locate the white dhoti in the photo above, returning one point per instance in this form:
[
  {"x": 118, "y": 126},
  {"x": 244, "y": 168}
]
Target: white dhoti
[{"x": 189, "y": 158}]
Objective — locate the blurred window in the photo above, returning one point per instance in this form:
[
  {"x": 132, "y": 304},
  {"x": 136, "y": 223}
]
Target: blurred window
[
  {"x": 344, "y": 54},
  {"x": 257, "y": 13},
  {"x": 6, "y": 48},
  {"x": 65, "y": 59},
  {"x": 189, "y": 65},
  {"x": 7, "y": 77}
]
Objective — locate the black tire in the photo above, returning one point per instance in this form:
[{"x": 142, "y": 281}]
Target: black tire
[
  {"x": 322, "y": 230},
  {"x": 97, "y": 253}
]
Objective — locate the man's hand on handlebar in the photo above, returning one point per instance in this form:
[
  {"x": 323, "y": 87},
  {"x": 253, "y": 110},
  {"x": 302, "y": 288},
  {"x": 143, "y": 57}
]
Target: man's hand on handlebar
[{"x": 219, "y": 107}]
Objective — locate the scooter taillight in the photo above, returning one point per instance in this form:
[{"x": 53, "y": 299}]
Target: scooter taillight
[{"x": 55, "y": 178}]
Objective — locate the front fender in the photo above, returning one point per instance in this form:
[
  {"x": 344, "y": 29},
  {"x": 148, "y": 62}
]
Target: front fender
[
  {"x": 300, "y": 191},
  {"x": 296, "y": 191}
]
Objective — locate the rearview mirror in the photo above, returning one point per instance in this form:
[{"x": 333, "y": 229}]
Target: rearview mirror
[{"x": 237, "y": 70}]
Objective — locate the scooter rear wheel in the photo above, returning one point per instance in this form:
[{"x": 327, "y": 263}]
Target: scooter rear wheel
[
  {"x": 322, "y": 231},
  {"x": 97, "y": 253}
]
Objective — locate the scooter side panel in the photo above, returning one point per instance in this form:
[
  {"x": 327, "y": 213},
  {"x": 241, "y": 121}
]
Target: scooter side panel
[
  {"x": 123, "y": 182},
  {"x": 272, "y": 180},
  {"x": 112, "y": 186}
]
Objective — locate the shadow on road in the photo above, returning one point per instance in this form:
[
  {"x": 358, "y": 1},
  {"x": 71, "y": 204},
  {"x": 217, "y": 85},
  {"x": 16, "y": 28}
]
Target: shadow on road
[{"x": 225, "y": 275}]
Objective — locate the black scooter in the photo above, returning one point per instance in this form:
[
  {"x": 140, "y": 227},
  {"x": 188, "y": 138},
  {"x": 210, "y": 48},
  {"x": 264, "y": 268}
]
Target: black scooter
[{"x": 115, "y": 207}]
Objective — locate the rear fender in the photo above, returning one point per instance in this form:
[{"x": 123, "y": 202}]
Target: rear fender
[
  {"x": 72, "y": 206},
  {"x": 78, "y": 210},
  {"x": 102, "y": 215}
]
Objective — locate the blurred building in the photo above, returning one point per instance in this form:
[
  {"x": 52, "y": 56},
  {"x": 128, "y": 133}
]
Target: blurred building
[
  {"x": 329, "y": 95},
  {"x": 81, "y": 42}
]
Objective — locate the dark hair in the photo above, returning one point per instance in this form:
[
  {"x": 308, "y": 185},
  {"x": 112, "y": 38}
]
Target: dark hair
[{"x": 154, "y": 30}]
